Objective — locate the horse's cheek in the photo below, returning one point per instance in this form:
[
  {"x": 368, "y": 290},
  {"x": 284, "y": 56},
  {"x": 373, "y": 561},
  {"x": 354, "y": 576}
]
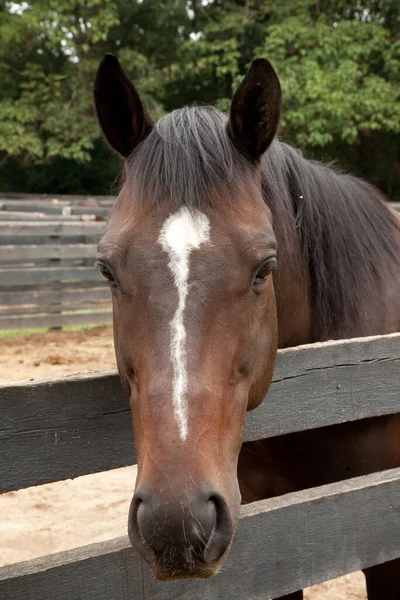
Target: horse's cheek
[{"x": 265, "y": 350}]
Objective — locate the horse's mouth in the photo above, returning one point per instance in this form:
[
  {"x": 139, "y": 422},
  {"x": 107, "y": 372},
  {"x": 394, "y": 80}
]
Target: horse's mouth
[
  {"x": 197, "y": 570},
  {"x": 180, "y": 562}
]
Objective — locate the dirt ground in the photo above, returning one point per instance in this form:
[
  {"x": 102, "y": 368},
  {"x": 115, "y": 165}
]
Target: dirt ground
[
  {"x": 55, "y": 353},
  {"x": 66, "y": 514}
]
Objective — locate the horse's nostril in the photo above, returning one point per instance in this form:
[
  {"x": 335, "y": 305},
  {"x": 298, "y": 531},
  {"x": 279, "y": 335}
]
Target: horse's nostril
[
  {"x": 138, "y": 511},
  {"x": 212, "y": 504},
  {"x": 222, "y": 531},
  {"x": 214, "y": 499},
  {"x": 136, "y": 515}
]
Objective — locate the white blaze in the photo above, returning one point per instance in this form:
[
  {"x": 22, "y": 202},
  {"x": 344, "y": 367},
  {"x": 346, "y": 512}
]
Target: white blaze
[{"x": 181, "y": 233}]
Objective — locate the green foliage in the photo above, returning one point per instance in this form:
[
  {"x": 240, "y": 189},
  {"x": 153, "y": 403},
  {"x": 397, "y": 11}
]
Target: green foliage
[
  {"x": 338, "y": 61},
  {"x": 339, "y": 65},
  {"x": 341, "y": 84},
  {"x": 335, "y": 79}
]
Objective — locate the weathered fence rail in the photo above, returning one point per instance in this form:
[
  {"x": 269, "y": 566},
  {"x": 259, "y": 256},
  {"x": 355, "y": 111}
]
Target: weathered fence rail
[
  {"x": 62, "y": 428},
  {"x": 55, "y": 198},
  {"x": 47, "y": 250},
  {"x": 313, "y": 386}
]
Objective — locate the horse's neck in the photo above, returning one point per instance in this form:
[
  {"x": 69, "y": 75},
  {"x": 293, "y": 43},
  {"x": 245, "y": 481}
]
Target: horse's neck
[{"x": 294, "y": 305}]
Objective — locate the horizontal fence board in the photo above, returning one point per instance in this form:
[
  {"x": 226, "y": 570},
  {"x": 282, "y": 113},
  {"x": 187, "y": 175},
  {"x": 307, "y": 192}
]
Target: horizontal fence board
[
  {"x": 33, "y": 252},
  {"x": 53, "y": 420},
  {"x": 314, "y": 386},
  {"x": 47, "y": 210},
  {"x": 55, "y": 320},
  {"x": 45, "y": 275},
  {"x": 96, "y": 211},
  {"x": 73, "y": 285},
  {"x": 47, "y": 262},
  {"x": 36, "y": 217},
  {"x": 11, "y": 240},
  {"x": 63, "y": 294},
  {"x": 18, "y": 228},
  {"x": 56, "y": 199},
  {"x": 31, "y": 207},
  {"x": 93, "y": 307},
  {"x": 329, "y": 383},
  {"x": 281, "y": 545}
]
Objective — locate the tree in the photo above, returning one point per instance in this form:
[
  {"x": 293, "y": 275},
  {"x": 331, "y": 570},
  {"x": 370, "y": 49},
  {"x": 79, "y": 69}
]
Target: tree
[
  {"x": 339, "y": 65},
  {"x": 338, "y": 61},
  {"x": 49, "y": 53},
  {"x": 341, "y": 83}
]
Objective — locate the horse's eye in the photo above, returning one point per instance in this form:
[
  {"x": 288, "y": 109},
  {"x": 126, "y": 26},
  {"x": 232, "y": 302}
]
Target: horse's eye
[
  {"x": 264, "y": 271},
  {"x": 106, "y": 274}
]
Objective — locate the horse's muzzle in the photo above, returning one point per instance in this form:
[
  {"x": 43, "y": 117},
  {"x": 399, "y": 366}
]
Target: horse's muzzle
[{"x": 181, "y": 537}]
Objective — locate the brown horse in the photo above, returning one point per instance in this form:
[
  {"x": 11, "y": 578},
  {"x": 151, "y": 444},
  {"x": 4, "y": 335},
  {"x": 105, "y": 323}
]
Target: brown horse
[{"x": 223, "y": 245}]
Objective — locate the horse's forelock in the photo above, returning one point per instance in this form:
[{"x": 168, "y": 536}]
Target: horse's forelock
[{"x": 188, "y": 160}]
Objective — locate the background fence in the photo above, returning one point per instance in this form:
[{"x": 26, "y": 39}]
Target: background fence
[
  {"x": 47, "y": 254},
  {"x": 61, "y": 428}
]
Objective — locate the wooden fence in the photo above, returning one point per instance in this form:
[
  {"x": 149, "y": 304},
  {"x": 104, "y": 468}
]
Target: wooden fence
[
  {"x": 47, "y": 255},
  {"x": 61, "y": 428}
]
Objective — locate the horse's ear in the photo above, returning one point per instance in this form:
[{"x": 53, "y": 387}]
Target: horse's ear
[
  {"x": 122, "y": 116},
  {"x": 255, "y": 109}
]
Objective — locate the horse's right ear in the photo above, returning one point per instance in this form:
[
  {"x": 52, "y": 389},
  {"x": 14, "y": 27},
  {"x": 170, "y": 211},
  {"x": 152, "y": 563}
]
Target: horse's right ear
[{"x": 122, "y": 116}]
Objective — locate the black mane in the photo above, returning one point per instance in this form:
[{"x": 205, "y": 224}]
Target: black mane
[
  {"x": 339, "y": 226},
  {"x": 347, "y": 236}
]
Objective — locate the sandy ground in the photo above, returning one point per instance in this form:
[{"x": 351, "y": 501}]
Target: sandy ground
[
  {"x": 55, "y": 353},
  {"x": 66, "y": 514}
]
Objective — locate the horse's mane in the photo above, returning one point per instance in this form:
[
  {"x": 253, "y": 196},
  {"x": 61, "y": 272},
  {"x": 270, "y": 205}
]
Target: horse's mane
[
  {"x": 346, "y": 233},
  {"x": 338, "y": 226}
]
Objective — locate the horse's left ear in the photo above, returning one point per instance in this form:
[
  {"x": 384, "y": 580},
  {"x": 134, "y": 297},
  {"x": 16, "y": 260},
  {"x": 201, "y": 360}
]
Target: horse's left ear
[
  {"x": 122, "y": 116},
  {"x": 255, "y": 109}
]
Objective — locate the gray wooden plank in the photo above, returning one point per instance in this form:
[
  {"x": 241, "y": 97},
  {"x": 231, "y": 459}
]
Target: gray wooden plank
[
  {"x": 45, "y": 275},
  {"x": 19, "y": 228},
  {"x": 58, "y": 213},
  {"x": 8, "y": 239},
  {"x": 55, "y": 198},
  {"x": 62, "y": 294},
  {"x": 329, "y": 383},
  {"x": 12, "y": 265},
  {"x": 102, "y": 317},
  {"x": 98, "y": 212},
  {"x": 93, "y": 306},
  {"x": 52, "y": 419},
  {"x": 8, "y": 215},
  {"x": 281, "y": 545},
  {"x": 73, "y": 285},
  {"x": 49, "y": 209},
  {"x": 313, "y": 386},
  {"x": 31, "y": 207},
  {"x": 32, "y": 252}
]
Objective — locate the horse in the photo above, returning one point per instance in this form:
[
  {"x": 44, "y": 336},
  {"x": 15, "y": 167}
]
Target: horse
[{"x": 223, "y": 245}]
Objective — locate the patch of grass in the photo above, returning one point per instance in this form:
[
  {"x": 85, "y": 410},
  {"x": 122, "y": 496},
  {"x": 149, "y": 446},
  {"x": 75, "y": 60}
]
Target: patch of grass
[{"x": 17, "y": 332}]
